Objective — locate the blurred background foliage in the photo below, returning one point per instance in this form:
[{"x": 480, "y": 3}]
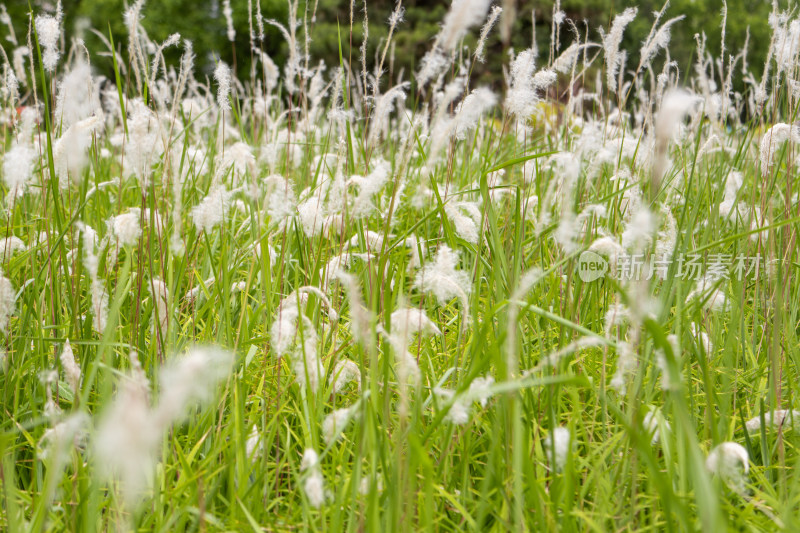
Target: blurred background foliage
[{"x": 202, "y": 22}]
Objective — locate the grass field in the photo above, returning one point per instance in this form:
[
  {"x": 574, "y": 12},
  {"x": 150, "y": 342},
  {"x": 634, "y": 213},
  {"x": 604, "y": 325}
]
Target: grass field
[{"x": 322, "y": 299}]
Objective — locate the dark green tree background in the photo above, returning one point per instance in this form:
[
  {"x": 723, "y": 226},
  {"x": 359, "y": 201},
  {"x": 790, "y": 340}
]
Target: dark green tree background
[{"x": 202, "y": 22}]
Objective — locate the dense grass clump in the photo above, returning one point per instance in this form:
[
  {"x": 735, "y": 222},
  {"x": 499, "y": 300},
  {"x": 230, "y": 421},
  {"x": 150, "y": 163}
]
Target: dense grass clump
[{"x": 320, "y": 298}]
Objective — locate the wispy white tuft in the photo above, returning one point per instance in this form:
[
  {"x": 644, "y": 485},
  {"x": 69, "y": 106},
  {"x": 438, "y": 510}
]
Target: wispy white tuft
[
  {"x": 126, "y": 227},
  {"x": 69, "y": 151},
  {"x": 466, "y": 218},
  {"x": 20, "y": 160},
  {"x": 227, "y": 12},
  {"x": 345, "y": 371},
  {"x": 557, "y": 446},
  {"x": 443, "y": 280},
  {"x": 652, "y": 422},
  {"x": 368, "y": 187},
  {"x": 254, "y": 446},
  {"x": 379, "y": 125},
  {"x": 639, "y": 231},
  {"x": 782, "y": 418},
  {"x": 72, "y": 372},
  {"x": 657, "y": 40},
  {"x": 337, "y": 421},
  {"x": 407, "y": 322},
  {"x": 212, "y": 210},
  {"x": 8, "y": 302},
  {"x": 471, "y": 109},
  {"x": 130, "y": 430},
  {"x": 487, "y": 27},
  {"x": 160, "y": 293},
  {"x": 11, "y": 245},
  {"x": 314, "y": 483},
  {"x": 189, "y": 380},
  {"x": 222, "y": 75},
  {"x": 127, "y": 438},
  {"x": 626, "y": 363},
  {"x": 91, "y": 263},
  {"x": 611, "y": 42},
  {"x": 771, "y": 142},
  {"x": 521, "y": 98},
  {"x": 463, "y": 15},
  {"x": 731, "y": 463},
  {"x": 48, "y": 32}
]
